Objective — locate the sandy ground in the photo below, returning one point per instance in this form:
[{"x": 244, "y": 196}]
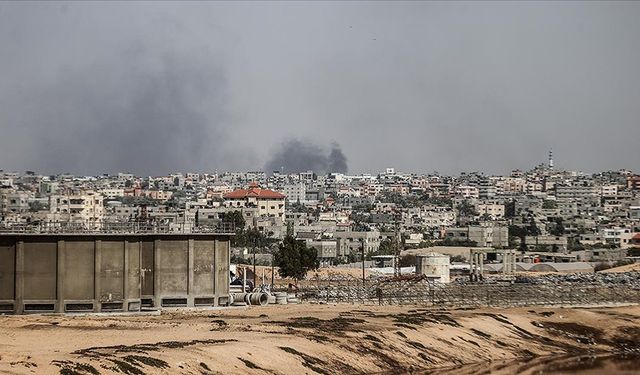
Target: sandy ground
[
  {"x": 634, "y": 267},
  {"x": 325, "y": 339}
]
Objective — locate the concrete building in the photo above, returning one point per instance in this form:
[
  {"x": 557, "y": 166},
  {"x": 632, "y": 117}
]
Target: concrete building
[
  {"x": 492, "y": 209},
  {"x": 327, "y": 250},
  {"x": 95, "y": 272},
  {"x": 576, "y": 191},
  {"x": 550, "y": 242},
  {"x": 349, "y": 242},
  {"x": 295, "y": 192},
  {"x": 483, "y": 236},
  {"x": 84, "y": 208},
  {"x": 268, "y": 202}
]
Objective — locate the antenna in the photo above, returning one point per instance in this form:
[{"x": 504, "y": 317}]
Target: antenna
[{"x": 551, "y": 159}]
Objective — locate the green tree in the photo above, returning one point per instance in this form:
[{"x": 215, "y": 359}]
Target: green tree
[
  {"x": 36, "y": 206},
  {"x": 510, "y": 209},
  {"x": 234, "y": 217},
  {"x": 558, "y": 227},
  {"x": 532, "y": 228},
  {"x": 465, "y": 208},
  {"x": 295, "y": 259}
]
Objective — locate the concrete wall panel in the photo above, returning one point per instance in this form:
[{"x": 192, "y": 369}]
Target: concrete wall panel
[
  {"x": 133, "y": 270},
  {"x": 147, "y": 267},
  {"x": 7, "y": 269},
  {"x": 203, "y": 267},
  {"x": 172, "y": 267},
  {"x": 78, "y": 280},
  {"x": 40, "y": 260},
  {"x": 222, "y": 268},
  {"x": 111, "y": 271}
]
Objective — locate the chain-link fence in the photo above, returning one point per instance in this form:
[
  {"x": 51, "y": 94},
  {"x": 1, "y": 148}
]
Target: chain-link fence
[{"x": 416, "y": 291}]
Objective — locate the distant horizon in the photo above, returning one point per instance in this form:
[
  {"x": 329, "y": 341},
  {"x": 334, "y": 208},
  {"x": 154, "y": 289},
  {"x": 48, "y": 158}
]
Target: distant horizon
[{"x": 376, "y": 172}]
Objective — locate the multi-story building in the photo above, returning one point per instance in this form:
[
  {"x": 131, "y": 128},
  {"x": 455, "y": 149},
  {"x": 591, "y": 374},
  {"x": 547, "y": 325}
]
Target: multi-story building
[
  {"x": 85, "y": 207},
  {"x": 295, "y": 192},
  {"x": 492, "y": 209},
  {"x": 483, "y": 236},
  {"x": 268, "y": 202}
]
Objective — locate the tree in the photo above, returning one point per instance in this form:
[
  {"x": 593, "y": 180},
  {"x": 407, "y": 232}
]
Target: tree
[
  {"x": 36, "y": 206},
  {"x": 295, "y": 259},
  {"x": 465, "y": 208},
  {"x": 532, "y": 229},
  {"x": 235, "y": 218},
  {"x": 510, "y": 209},
  {"x": 558, "y": 227}
]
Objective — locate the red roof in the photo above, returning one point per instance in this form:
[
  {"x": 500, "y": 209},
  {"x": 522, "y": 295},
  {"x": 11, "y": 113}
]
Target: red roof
[
  {"x": 636, "y": 237},
  {"x": 254, "y": 191}
]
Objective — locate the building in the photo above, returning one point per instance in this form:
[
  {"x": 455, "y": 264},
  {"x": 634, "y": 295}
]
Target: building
[
  {"x": 85, "y": 207},
  {"x": 295, "y": 193},
  {"x": 551, "y": 242},
  {"x": 268, "y": 202},
  {"x": 482, "y": 236},
  {"x": 327, "y": 250},
  {"x": 350, "y": 242},
  {"x": 493, "y": 210},
  {"x": 107, "y": 272}
]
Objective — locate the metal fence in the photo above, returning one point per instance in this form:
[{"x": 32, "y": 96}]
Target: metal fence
[
  {"x": 426, "y": 293},
  {"x": 114, "y": 228}
]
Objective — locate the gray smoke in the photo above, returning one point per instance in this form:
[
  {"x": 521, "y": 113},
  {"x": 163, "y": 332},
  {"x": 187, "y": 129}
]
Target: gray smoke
[
  {"x": 144, "y": 121},
  {"x": 337, "y": 160},
  {"x": 295, "y": 155}
]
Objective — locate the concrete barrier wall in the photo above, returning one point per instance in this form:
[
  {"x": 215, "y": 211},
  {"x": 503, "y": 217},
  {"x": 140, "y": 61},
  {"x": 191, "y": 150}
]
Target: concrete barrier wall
[
  {"x": 7, "y": 275},
  {"x": 222, "y": 258},
  {"x": 73, "y": 273}
]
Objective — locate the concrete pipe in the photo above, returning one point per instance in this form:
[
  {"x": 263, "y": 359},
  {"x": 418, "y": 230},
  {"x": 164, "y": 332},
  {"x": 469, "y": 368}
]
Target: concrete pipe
[
  {"x": 271, "y": 300},
  {"x": 281, "y": 298},
  {"x": 241, "y": 297},
  {"x": 258, "y": 299}
]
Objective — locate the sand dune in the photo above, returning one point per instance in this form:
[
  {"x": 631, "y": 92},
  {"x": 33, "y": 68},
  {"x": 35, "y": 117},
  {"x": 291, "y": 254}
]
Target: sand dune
[{"x": 298, "y": 339}]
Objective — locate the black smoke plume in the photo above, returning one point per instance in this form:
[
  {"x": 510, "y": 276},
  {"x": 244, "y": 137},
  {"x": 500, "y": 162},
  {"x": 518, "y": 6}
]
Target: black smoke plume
[{"x": 295, "y": 155}]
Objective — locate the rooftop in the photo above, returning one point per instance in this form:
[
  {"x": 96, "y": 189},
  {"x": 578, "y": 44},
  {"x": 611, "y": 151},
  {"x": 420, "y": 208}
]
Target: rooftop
[{"x": 254, "y": 191}]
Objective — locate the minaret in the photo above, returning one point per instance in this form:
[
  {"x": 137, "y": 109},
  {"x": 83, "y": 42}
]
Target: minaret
[{"x": 550, "y": 159}]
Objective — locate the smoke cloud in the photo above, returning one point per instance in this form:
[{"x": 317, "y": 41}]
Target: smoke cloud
[
  {"x": 150, "y": 121},
  {"x": 337, "y": 160},
  {"x": 295, "y": 155}
]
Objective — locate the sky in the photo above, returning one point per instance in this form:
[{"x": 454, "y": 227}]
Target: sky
[{"x": 154, "y": 88}]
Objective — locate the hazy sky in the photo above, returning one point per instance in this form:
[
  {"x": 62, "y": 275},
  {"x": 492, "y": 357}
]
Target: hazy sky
[{"x": 151, "y": 88}]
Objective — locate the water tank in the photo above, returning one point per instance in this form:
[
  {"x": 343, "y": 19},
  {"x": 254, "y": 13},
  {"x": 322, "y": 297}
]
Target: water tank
[{"x": 433, "y": 264}]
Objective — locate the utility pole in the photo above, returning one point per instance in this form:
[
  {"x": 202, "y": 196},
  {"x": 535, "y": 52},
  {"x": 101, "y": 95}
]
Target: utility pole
[
  {"x": 396, "y": 263},
  {"x": 254, "y": 262},
  {"x": 362, "y": 249},
  {"x": 272, "y": 270}
]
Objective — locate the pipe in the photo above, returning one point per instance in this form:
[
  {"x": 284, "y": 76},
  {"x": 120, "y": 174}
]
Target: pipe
[{"x": 258, "y": 299}]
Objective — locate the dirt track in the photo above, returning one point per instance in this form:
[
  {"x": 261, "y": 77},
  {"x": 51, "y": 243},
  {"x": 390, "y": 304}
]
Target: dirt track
[{"x": 297, "y": 339}]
